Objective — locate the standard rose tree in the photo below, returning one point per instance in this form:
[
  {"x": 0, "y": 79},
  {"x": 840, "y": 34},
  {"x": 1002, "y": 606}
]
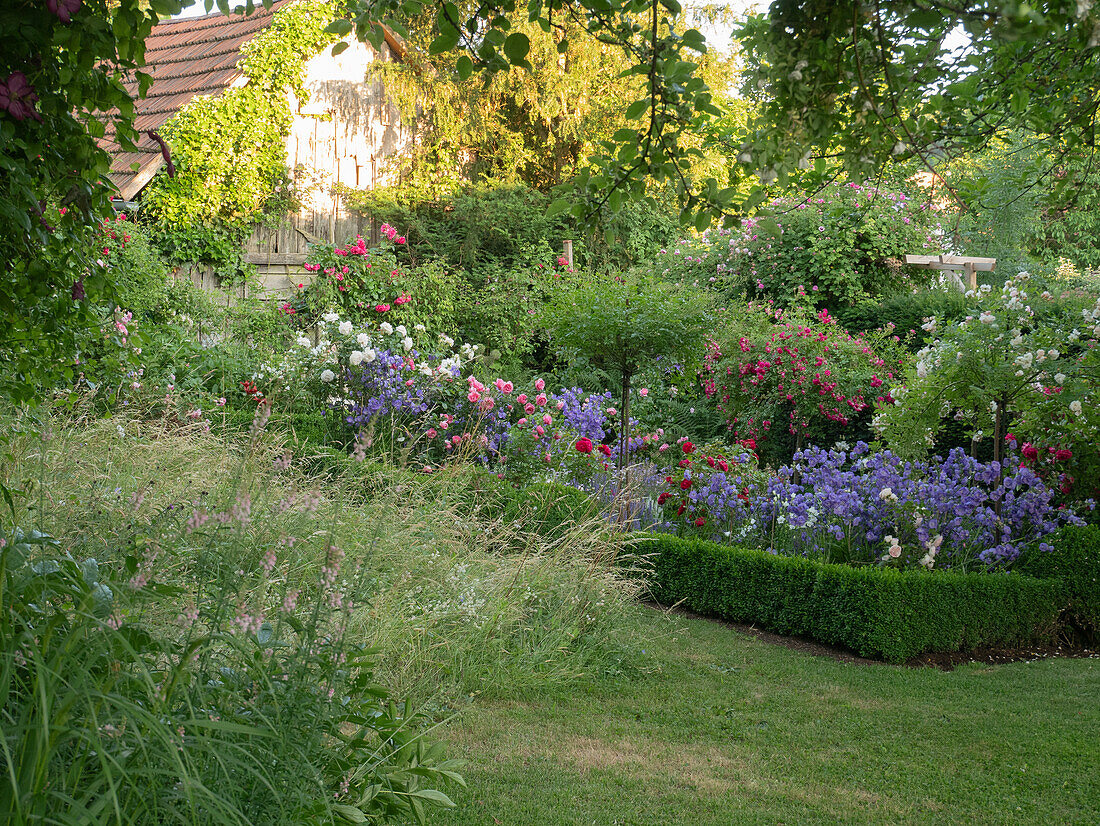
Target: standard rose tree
[{"x": 623, "y": 322}]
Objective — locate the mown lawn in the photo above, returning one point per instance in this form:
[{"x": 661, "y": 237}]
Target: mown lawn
[{"x": 730, "y": 730}]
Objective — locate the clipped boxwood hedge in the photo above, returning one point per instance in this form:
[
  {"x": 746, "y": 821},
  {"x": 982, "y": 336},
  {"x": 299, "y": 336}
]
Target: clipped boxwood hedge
[
  {"x": 1075, "y": 562},
  {"x": 876, "y": 612}
]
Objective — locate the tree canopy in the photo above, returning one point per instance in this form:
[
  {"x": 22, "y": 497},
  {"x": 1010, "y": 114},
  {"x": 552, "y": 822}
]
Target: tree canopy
[
  {"x": 839, "y": 87},
  {"x": 863, "y": 85}
]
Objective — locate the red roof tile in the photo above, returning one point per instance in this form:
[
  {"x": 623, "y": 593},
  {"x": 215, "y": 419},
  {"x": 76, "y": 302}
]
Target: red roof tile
[{"x": 187, "y": 58}]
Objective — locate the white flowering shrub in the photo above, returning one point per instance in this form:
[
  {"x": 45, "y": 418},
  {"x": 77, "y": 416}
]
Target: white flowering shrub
[{"x": 1009, "y": 377}]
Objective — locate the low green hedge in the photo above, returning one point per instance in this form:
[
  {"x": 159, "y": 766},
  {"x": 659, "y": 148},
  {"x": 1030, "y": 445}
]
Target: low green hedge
[
  {"x": 876, "y": 612},
  {"x": 1075, "y": 562}
]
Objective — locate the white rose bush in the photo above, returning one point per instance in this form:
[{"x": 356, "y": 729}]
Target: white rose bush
[{"x": 1015, "y": 371}]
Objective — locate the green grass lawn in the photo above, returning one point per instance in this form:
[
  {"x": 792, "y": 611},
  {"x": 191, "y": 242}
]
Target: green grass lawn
[{"x": 724, "y": 729}]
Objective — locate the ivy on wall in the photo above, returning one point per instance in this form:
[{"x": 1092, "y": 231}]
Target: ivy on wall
[{"x": 230, "y": 151}]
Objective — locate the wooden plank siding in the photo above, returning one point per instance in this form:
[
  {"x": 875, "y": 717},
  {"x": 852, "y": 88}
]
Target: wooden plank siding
[{"x": 341, "y": 135}]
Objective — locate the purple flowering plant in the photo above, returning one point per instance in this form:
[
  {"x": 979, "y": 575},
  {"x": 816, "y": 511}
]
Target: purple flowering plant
[{"x": 858, "y": 506}]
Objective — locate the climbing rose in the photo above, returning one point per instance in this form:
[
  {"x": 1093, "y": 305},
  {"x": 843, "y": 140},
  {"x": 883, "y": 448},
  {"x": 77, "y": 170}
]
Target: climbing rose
[{"x": 584, "y": 444}]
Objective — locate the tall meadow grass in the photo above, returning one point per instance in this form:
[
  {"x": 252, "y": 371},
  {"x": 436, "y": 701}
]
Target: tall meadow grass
[{"x": 207, "y": 629}]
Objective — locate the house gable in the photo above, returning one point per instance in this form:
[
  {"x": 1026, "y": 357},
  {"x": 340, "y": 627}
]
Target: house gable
[{"x": 198, "y": 57}]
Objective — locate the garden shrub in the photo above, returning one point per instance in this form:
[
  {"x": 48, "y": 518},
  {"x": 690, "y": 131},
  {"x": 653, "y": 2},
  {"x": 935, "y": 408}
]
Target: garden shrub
[
  {"x": 379, "y": 283},
  {"x": 840, "y": 243},
  {"x": 1019, "y": 368},
  {"x": 905, "y": 311},
  {"x": 774, "y": 373},
  {"x": 876, "y": 612},
  {"x": 505, "y": 252},
  {"x": 1075, "y": 560}
]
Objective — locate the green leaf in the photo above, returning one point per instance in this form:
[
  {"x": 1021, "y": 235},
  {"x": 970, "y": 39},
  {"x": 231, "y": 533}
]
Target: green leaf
[
  {"x": 337, "y": 48},
  {"x": 516, "y": 47},
  {"x": 768, "y": 225},
  {"x": 340, "y": 27},
  {"x": 557, "y": 207},
  {"x": 445, "y": 42},
  {"x": 464, "y": 67},
  {"x": 349, "y": 813},
  {"x": 435, "y": 796},
  {"x": 635, "y": 110},
  {"x": 694, "y": 39}
]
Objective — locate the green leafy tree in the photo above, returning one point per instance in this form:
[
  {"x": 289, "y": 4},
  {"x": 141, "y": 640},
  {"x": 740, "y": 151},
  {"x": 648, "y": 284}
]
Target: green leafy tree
[
  {"x": 661, "y": 54},
  {"x": 623, "y": 323},
  {"x": 60, "y": 89},
  {"x": 536, "y": 124},
  {"x": 1004, "y": 369},
  {"x": 868, "y": 85},
  {"x": 1070, "y": 218},
  {"x": 1000, "y": 188}
]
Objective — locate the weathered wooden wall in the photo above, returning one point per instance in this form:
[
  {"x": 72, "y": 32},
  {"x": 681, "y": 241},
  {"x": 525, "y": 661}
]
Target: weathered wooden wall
[{"x": 341, "y": 135}]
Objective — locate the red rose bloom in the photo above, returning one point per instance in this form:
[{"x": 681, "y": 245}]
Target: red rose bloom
[
  {"x": 663, "y": 498},
  {"x": 1063, "y": 455},
  {"x": 722, "y": 466},
  {"x": 688, "y": 447},
  {"x": 700, "y": 522},
  {"x": 1030, "y": 452},
  {"x": 681, "y": 509},
  {"x": 710, "y": 461},
  {"x": 584, "y": 445},
  {"x": 605, "y": 450},
  {"x": 685, "y": 484},
  {"x": 685, "y": 462}
]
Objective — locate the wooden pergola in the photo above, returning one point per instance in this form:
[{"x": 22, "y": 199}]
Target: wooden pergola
[{"x": 955, "y": 264}]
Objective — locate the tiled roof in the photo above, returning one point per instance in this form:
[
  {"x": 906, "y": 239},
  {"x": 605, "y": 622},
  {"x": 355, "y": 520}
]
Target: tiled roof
[{"x": 187, "y": 58}]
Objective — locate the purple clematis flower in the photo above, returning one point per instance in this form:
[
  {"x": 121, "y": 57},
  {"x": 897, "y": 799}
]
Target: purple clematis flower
[
  {"x": 17, "y": 97},
  {"x": 64, "y": 9}
]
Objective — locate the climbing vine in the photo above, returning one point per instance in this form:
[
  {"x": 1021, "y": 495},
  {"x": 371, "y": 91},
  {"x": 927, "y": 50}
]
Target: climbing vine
[{"x": 230, "y": 151}]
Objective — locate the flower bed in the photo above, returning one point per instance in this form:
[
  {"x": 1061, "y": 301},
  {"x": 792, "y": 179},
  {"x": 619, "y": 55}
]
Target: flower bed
[{"x": 862, "y": 507}]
